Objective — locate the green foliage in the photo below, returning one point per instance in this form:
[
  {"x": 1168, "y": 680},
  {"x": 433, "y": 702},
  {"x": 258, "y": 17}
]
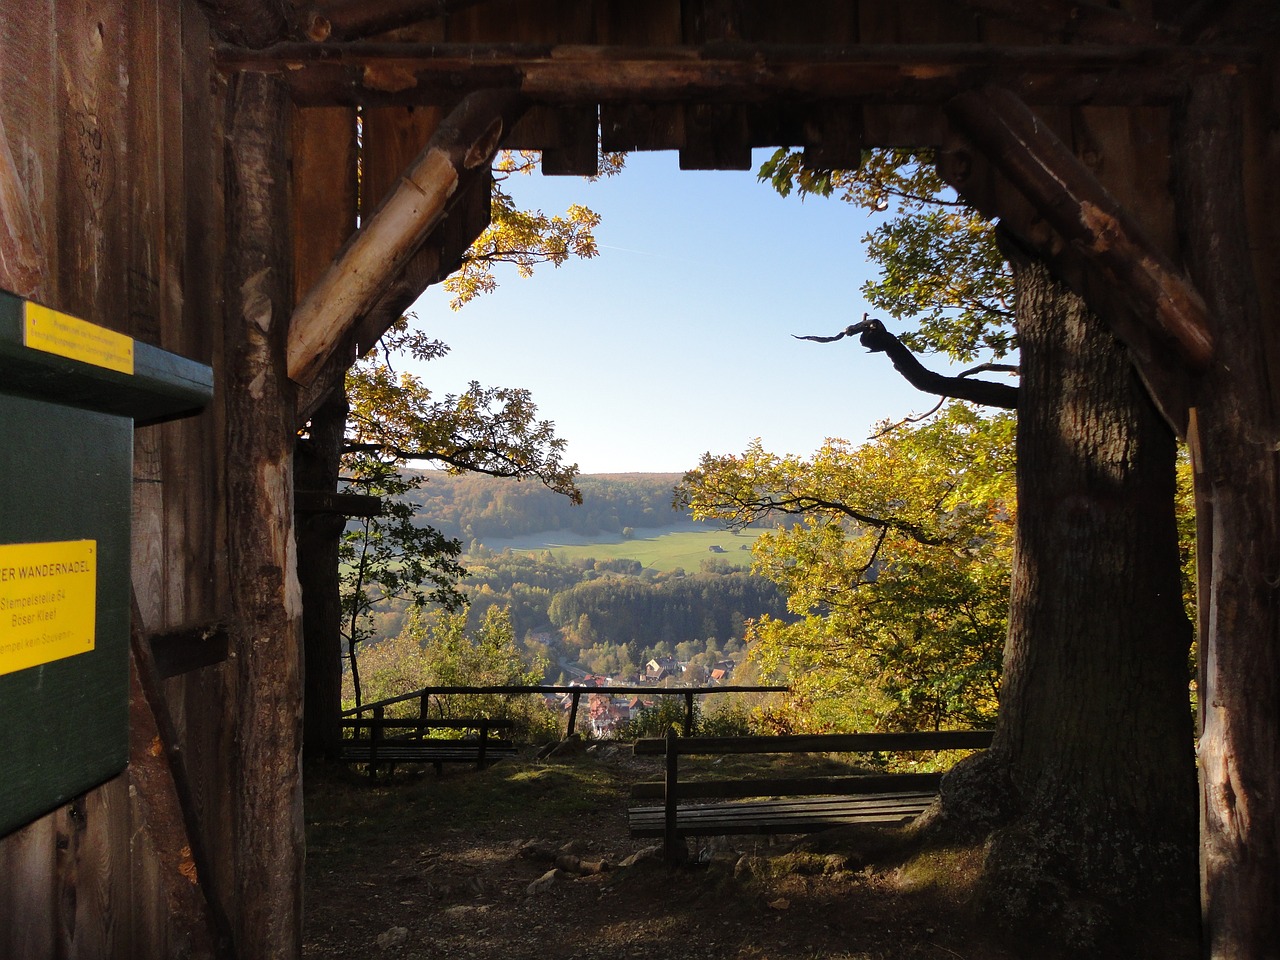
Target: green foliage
[
  {"x": 495, "y": 510},
  {"x": 436, "y": 649},
  {"x": 667, "y": 610},
  {"x": 523, "y": 238},
  {"x": 938, "y": 258},
  {"x": 667, "y": 713},
  {"x": 489, "y": 430},
  {"x": 898, "y": 569},
  {"x": 388, "y": 558}
]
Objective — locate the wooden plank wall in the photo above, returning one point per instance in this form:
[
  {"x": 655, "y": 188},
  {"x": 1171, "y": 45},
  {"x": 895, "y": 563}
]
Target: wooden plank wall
[{"x": 112, "y": 113}]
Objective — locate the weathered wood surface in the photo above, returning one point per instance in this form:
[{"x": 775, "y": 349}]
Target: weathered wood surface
[
  {"x": 94, "y": 130},
  {"x": 1084, "y": 212},
  {"x": 21, "y": 256},
  {"x": 731, "y": 73},
  {"x": 388, "y": 239},
  {"x": 1239, "y": 748},
  {"x": 326, "y": 196},
  {"x": 780, "y": 816},
  {"x": 265, "y": 708},
  {"x": 793, "y": 786},
  {"x": 819, "y": 743},
  {"x": 370, "y": 743},
  {"x": 353, "y": 19},
  {"x": 162, "y": 792},
  {"x": 832, "y": 801}
]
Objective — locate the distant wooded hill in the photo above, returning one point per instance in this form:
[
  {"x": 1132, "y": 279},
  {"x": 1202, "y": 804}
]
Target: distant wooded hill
[{"x": 472, "y": 507}]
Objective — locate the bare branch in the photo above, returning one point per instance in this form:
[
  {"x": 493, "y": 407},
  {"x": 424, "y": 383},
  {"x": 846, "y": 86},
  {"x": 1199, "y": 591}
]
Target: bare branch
[{"x": 873, "y": 336}]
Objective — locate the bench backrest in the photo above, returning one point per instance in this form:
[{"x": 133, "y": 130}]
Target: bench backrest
[
  {"x": 378, "y": 724},
  {"x": 817, "y": 743}
]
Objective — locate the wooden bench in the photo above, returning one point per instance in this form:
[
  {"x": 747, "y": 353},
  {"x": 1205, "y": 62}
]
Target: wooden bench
[
  {"x": 371, "y": 744},
  {"x": 793, "y": 804}
]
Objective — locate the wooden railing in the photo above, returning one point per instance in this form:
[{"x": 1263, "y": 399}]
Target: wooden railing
[{"x": 424, "y": 695}]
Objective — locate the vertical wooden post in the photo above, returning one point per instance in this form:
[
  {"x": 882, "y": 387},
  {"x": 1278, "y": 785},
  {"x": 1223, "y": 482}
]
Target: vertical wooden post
[
  {"x": 324, "y": 214},
  {"x": 688, "y": 714},
  {"x": 672, "y": 851},
  {"x": 1239, "y": 474},
  {"x": 484, "y": 742},
  {"x": 376, "y": 731},
  {"x": 573, "y": 713},
  {"x": 265, "y": 710}
]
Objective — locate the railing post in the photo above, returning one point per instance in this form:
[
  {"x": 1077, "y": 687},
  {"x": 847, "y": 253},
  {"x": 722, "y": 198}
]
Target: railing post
[
  {"x": 688, "y": 714},
  {"x": 671, "y": 850},
  {"x": 573, "y": 713},
  {"x": 484, "y": 739},
  {"x": 375, "y": 738},
  {"x": 424, "y": 714}
]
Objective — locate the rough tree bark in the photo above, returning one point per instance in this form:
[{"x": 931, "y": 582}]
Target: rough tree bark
[
  {"x": 266, "y": 709},
  {"x": 1088, "y": 792}
]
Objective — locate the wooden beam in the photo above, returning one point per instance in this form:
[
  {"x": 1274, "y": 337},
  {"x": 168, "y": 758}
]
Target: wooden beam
[
  {"x": 1068, "y": 196},
  {"x": 373, "y": 257},
  {"x": 158, "y": 771},
  {"x": 1077, "y": 20},
  {"x": 1238, "y": 473},
  {"x": 342, "y": 504},
  {"x": 715, "y": 137},
  {"x": 188, "y": 648},
  {"x": 251, "y": 23},
  {"x": 355, "y": 19},
  {"x": 370, "y": 73}
]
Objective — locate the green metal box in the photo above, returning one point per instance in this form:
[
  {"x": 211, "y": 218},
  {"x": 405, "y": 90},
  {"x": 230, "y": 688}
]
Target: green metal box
[{"x": 70, "y": 393}]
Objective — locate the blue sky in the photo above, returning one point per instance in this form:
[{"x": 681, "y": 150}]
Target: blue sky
[{"x": 677, "y": 338}]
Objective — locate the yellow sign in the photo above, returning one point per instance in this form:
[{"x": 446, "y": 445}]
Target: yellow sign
[
  {"x": 76, "y": 339},
  {"x": 48, "y": 602}
]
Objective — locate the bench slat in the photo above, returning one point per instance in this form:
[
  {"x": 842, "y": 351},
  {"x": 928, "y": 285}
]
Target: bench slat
[
  {"x": 787, "y": 816},
  {"x": 796, "y": 787}
]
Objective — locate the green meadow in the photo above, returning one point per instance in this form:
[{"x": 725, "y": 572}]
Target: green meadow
[{"x": 661, "y": 549}]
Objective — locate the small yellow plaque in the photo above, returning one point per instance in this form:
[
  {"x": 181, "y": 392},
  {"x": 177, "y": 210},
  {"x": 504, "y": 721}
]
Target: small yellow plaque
[
  {"x": 76, "y": 339},
  {"x": 48, "y": 602}
]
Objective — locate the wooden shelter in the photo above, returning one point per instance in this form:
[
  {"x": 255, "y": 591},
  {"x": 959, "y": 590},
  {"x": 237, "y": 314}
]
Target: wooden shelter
[{"x": 185, "y": 173}]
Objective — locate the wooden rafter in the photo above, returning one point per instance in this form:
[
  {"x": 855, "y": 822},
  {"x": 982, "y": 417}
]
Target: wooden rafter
[
  {"x": 733, "y": 72},
  {"x": 158, "y": 769},
  {"x": 1077, "y": 20},
  {"x": 1071, "y": 199},
  {"x": 355, "y": 19},
  {"x": 375, "y": 256},
  {"x": 252, "y": 23}
]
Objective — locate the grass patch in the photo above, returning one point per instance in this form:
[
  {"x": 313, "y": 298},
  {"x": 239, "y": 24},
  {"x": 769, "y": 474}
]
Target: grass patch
[
  {"x": 660, "y": 550},
  {"x": 345, "y": 811}
]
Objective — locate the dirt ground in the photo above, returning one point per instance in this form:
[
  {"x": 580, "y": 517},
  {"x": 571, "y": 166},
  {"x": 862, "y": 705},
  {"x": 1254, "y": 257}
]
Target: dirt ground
[{"x": 464, "y": 865}]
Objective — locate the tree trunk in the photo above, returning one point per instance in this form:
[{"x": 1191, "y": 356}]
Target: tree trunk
[
  {"x": 265, "y": 711},
  {"x": 1093, "y": 749},
  {"x": 316, "y": 468}
]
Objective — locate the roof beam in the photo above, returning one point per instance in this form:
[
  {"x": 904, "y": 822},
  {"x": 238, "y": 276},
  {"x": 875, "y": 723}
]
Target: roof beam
[
  {"x": 374, "y": 256},
  {"x": 251, "y": 23},
  {"x": 1077, "y": 20},
  {"x": 378, "y": 73},
  {"x": 1171, "y": 316}
]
